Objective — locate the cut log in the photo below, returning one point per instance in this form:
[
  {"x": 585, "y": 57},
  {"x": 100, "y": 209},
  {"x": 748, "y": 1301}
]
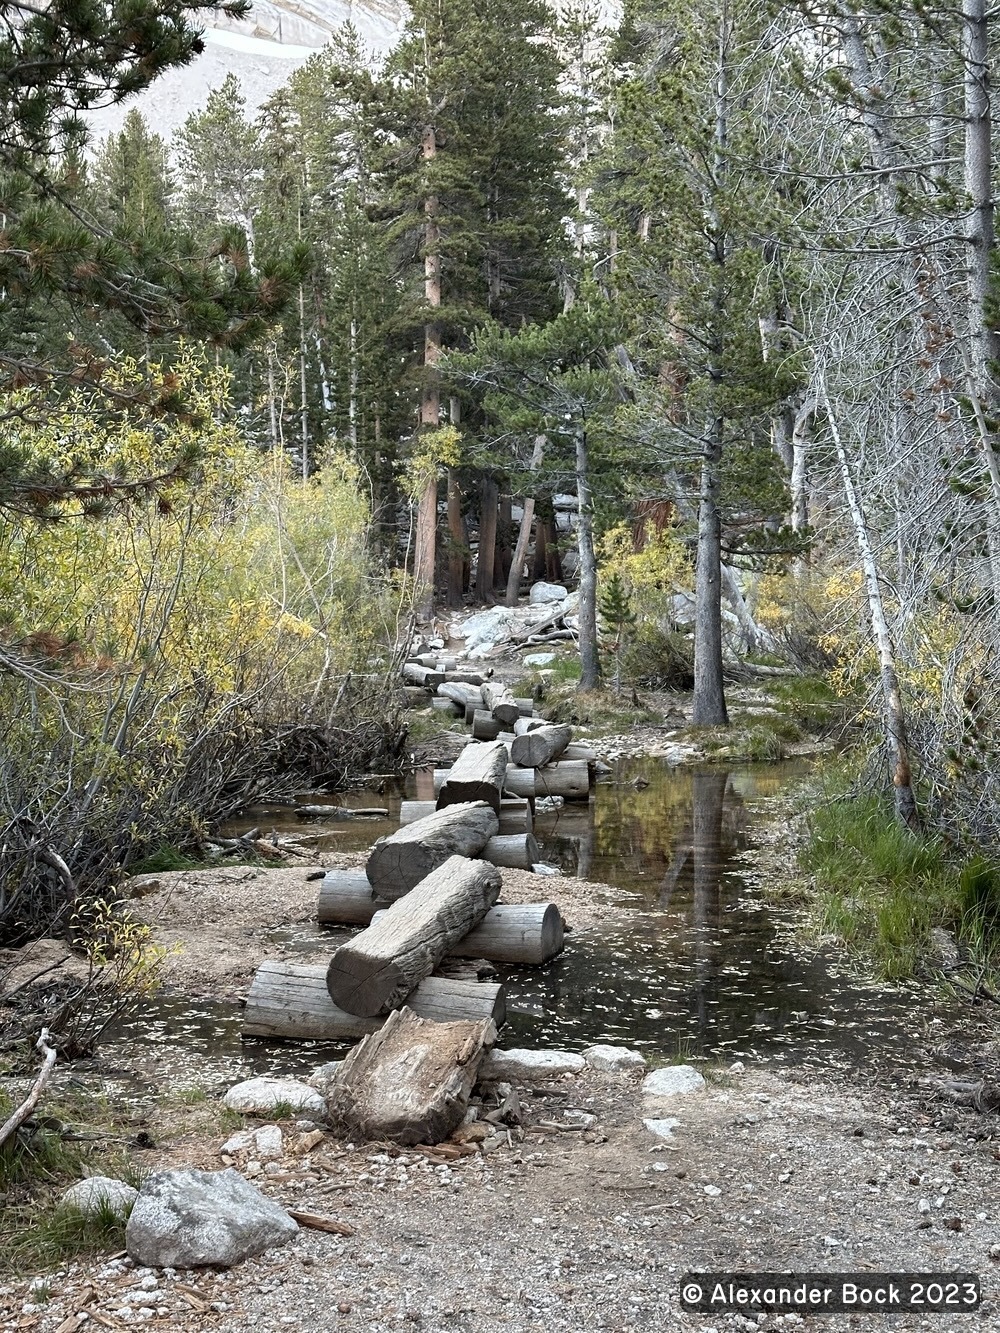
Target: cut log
[
  {"x": 398, "y": 863},
  {"x": 529, "y": 933},
  {"x": 375, "y": 971},
  {"x": 570, "y": 780},
  {"x": 501, "y": 703},
  {"x": 447, "y": 706},
  {"x": 518, "y": 851},
  {"x": 413, "y": 810},
  {"x": 520, "y": 782},
  {"x": 415, "y": 674},
  {"x": 461, "y": 694},
  {"x": 515, "y": 815},
  {"x": 525, "y": 724},
  {"x": 485, "y": 727},
  {"x": 415, "y": 696},
  {"x": 410, "y": 1082},
  {"x": 291, "y": 1001},
  {"x": 540, "y": 746},
  {"x": 470, "y": 712},
  {"x": 436, "y": 662},
  {"x": 467, "y": 677},
  {"x": 476, "y": 775},
  {"x": 346, "y": 899},
  {"x": 577, "y": 750},
  {"x": 526, "y": 707}
]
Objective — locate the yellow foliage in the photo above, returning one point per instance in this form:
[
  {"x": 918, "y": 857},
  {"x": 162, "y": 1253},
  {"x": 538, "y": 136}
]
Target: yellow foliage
[{"x": 440, "y": 446}]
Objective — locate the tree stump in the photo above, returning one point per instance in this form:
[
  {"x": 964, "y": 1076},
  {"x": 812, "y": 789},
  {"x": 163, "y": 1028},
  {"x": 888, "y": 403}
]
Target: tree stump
[
  {"x": 410, "y": 1082},
  {"x": 375, "y": 971},
  {"x": 402, "y": 860}
]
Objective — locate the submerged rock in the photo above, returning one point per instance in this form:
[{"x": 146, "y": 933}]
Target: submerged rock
[{"x": 189, "y": 1219}]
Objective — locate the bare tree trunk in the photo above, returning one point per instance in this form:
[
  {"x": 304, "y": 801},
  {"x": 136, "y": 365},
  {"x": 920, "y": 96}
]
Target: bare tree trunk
[
  {"x": 978, "y": 186},
  {"x": 503, "y": 554},
  {"x": 895, "y": 721},
  {"x": 709, "y": 707},
  {"x": 590, "y": 665},
  {"x": 303, "y": 395},
  {"x": 524, "y": 534},
  {"x": 430, "y": 405},
  {"x": 486, "y": 563},
  {"x": 456, "y": 541}
]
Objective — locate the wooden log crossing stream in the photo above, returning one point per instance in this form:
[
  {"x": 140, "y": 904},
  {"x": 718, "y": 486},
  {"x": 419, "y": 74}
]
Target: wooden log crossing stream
[{"x": 703, "y": 968}]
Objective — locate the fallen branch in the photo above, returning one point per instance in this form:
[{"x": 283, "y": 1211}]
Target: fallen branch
[
  {"x": 27, "y": 1107},
  {"x": 320, "y": 1223}
]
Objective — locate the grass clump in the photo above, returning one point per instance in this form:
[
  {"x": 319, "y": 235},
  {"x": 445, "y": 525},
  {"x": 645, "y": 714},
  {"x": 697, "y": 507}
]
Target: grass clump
[
  {"x": 809, "y": 702},
  {"x": 881, "y": 889},
  {"x": 165, "y": 858}
]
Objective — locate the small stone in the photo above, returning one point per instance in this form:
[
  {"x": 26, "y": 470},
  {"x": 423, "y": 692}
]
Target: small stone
[
  {"x": 673, "y": 1081},
  {"x": 242, "y": 1141},
  {"x": 614, "y": 1059},
  {"x": 268, "y": 1143},
  {"x": 258, "y": 1096},
  {"x": 95, "y": 1193},
  {"x": 712, "y": 1190},
  {"x": 924, "y": 1206}
]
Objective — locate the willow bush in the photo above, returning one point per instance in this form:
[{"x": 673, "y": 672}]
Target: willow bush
[{"x": 206, "y": 646}]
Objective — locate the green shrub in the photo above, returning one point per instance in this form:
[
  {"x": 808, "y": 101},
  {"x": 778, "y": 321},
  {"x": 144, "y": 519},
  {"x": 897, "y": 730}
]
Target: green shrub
[{"x": 658, "y": 659}]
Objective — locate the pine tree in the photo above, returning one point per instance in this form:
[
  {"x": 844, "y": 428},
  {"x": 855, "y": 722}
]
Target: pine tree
[{"x": 615, "y": 608}]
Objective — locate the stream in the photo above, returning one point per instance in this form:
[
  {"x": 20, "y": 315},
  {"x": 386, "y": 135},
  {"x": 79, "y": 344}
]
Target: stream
[{"x": 707, "y": 969}]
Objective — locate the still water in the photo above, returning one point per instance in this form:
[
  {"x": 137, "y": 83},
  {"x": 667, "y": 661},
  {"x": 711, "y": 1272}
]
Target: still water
[{"x": 702, "y": 968}]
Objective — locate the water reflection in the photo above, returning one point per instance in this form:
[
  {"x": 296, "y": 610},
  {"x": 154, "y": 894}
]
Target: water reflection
[{"x": 703, "y": 969}]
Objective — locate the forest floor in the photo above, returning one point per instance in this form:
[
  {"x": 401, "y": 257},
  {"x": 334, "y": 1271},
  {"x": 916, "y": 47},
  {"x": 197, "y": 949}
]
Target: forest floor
[{"x": 570, "y": 1226}]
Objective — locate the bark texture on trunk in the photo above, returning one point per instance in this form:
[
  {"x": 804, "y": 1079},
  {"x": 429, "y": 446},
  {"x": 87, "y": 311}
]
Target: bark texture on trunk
[{"x": 590, "y": 664}]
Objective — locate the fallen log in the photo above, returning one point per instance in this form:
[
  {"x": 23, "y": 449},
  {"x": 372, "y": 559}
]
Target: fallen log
[
  {"x": 540, "y": 746},
  {"x": 467, "y": 677},
  {"x": 436, "y": 662},
  {"x": 476, "y": 775},
  {"x": 517, "y": 851},
  {"x": 519, "y": 782},
  {"x": 515, "y": 815},
  {"x": 339, "y": 812},
  {"x": 410, "y": 1082},
  {"x": 570, "y": 780},
  {"x": 485, "y": 726},
  {"x": 416, "y": 674},
  {"x": 501, "y": 702},
  {"x": 460, "y": 694},
  {"x": 525, "y": 724},
  {"x": 557, "y": 636},
  {"x": 526, "y": 707},
  {"x": 291, "y": 1001},
  {"x": 398, "y": 863},
  {"x": 577, "y": 750},
  {"x": 378, "y": 968},
  {"x": 529, "y": 933},
  {"x": 447, "y": 706},
  {"x": 346, "y": 898},
  {"x": 413, "y": 810}
]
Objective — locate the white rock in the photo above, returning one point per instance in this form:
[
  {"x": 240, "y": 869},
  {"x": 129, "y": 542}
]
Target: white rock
[
  {"x": 268, "y": 1143},
  {"x": 712, "y": 1190},
  {"x": 486, "y": 628},
  {"x": 613, "y": 1059},
  {"x": 187, "y": 1219},
  {"x": 672, "y": 1081},
  {"x": 571, "y": 605},
  {"x": 521, "y": 1066},
  {"x": 542, "y": 868},
  {"x": 540, "y": 659},
  {"x": 257, "y": 1096},
  {"x": 322, "y": 1076},
  {"x": 663, "y": 1129},
  {"x": 243, "y": 1141},
  {"x": 94, "y": 1194},
  {"x": 542, "y": 593}
]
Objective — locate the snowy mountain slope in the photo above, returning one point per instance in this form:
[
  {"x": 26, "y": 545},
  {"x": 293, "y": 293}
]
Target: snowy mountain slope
[{"x": 261, "y": 50}]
